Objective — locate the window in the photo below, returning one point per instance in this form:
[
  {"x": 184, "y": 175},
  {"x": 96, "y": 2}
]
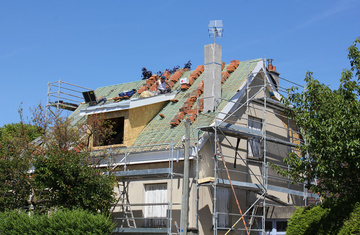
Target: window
[
  {"x": 112, "y": 132},
  {"x": 268, "y": 226},
  {"x": 254, "y": 145},
  {"x": 281, "y": 226},
  {"x": 222, "y": 205},
  {"x": 275, "y": 227},
  {"x": 155, "y": 210}
]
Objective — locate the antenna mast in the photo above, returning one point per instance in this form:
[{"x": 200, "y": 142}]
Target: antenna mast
[{"x": 215, "y": 29}]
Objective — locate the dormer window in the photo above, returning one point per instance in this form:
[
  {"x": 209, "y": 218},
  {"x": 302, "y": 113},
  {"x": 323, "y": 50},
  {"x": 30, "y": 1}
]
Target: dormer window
[{"x": 113, "y": 133}]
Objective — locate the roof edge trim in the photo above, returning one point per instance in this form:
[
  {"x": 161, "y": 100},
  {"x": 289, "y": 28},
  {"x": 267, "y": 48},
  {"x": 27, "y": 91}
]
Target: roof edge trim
[{"x": 127, "y": 104}]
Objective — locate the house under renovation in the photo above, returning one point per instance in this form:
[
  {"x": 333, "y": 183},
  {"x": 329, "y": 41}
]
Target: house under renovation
[{"x": 196, "y": 160}]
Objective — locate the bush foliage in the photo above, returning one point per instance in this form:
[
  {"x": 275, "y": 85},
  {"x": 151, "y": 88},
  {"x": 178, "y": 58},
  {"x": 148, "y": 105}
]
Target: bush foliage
[
  {"x": 62, "y": 221},
  {"x": 338, "y": 217},
  {"x": 63, "y": 174}
]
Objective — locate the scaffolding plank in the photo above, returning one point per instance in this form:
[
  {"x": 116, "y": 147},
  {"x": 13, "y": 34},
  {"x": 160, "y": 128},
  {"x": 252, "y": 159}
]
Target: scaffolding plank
[
  {"x": 66, "y": 106},
  {"x": 245, "y": 133},
  {"x": 206, "y": 180},
  {"x": 291, "y": 191},
  {"x": 230, "y": 130},
  {"x": 258, "y": 187},
  {"x": 148, "y": 173},
  {"x": 240, "y": 184},
  {"x": 279, "y": 141},
  {"x": 141, "y": 230}
]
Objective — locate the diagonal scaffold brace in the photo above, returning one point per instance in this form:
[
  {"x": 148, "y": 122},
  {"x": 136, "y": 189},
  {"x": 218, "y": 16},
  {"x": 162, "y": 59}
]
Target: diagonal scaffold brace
[{"x": 232, "y": 188}]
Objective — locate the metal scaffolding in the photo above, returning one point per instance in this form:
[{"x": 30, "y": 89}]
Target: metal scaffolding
[
  {"x": 63, "y": 95},
  {"x": 127, "y": 220},
  {"x": 227, "y": 127}
]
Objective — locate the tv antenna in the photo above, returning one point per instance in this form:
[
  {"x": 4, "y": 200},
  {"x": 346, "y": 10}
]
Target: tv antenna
[{"x": 215, "y": 29}]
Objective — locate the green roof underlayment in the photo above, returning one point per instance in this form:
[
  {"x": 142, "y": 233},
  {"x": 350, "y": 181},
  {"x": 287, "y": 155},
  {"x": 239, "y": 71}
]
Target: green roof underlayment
[{"x": 159, "y": 130}]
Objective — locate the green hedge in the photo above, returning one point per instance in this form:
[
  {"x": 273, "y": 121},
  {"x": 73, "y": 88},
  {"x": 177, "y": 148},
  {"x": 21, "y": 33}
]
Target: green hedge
[
  {"x": 337, "y": 217},
  {"x": 352, "y": 225},
  {"x": 59, "y": 222}
]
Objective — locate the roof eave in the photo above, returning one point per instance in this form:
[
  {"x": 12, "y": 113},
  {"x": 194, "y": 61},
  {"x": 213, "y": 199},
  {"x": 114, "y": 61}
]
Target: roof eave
[{"x": 126, "y": 104}]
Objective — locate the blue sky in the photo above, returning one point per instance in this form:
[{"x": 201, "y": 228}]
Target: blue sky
[{"x": 100, "y": 43}]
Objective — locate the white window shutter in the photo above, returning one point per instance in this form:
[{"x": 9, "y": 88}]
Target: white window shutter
[{"x": 155, "y": 214}]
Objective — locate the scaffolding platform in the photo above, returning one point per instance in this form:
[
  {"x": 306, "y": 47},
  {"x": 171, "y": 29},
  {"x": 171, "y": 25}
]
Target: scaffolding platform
[
  {"x": 63, "y": 105},
  {"x": 141, "y": 230},
  {"x": 147, "y": 173},
  {"x": 241, "y": 132},
  {"x": 63, "y": 95},
  {"x": 252, "y": 186}
]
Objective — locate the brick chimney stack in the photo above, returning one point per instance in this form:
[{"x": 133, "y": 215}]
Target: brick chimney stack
[{"x": 274, "y": 74}]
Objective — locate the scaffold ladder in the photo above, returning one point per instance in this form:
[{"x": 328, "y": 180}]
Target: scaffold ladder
[{"x": 125, "y": 205}]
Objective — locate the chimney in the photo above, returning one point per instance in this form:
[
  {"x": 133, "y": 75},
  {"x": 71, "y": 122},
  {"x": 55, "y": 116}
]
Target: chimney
[
  {"x": 275, "y": 75},
  {"x": 212, "y": 73}
]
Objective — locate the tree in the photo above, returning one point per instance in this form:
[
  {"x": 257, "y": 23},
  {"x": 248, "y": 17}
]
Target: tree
[
  {"x": 72, "y": 182},
  {"x": 63, "y": 173},
  {"x": 15, "y": 143},
  {"x": 330, "y": 124}
]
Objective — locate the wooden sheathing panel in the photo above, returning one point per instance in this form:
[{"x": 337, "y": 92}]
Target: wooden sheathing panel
[{"x": 139, "y": 117}]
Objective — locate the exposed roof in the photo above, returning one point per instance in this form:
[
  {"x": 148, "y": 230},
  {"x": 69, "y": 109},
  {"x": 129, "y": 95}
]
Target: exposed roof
[{"x": 158, "y": 130}]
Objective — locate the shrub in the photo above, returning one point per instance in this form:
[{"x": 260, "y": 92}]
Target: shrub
[
  {"x": 340, "y": 216},
  {"x": 352, "y": 225},
  {"x": 306, "y": 220},
  {"x": 62, "y": 221}
]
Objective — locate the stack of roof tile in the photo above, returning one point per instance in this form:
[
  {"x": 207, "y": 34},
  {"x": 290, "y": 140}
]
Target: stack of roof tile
[
  {"x": 149, "y": 83},
  {"x": 224, "y": 76},
  {"x": 185, "y": 110},
  {"x": 193, "y": 76},
  {"x": 176, "y": 76},
  {"x": 230, "y": 68},
  {"x": 153, "y": 86},
  {"x": 166, "y": 74}
]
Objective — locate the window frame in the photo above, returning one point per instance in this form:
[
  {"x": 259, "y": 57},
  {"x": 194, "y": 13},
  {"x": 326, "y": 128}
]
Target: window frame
[
  {"x": 274, "y": 227},
  {"x": 254, "y": 123}
]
